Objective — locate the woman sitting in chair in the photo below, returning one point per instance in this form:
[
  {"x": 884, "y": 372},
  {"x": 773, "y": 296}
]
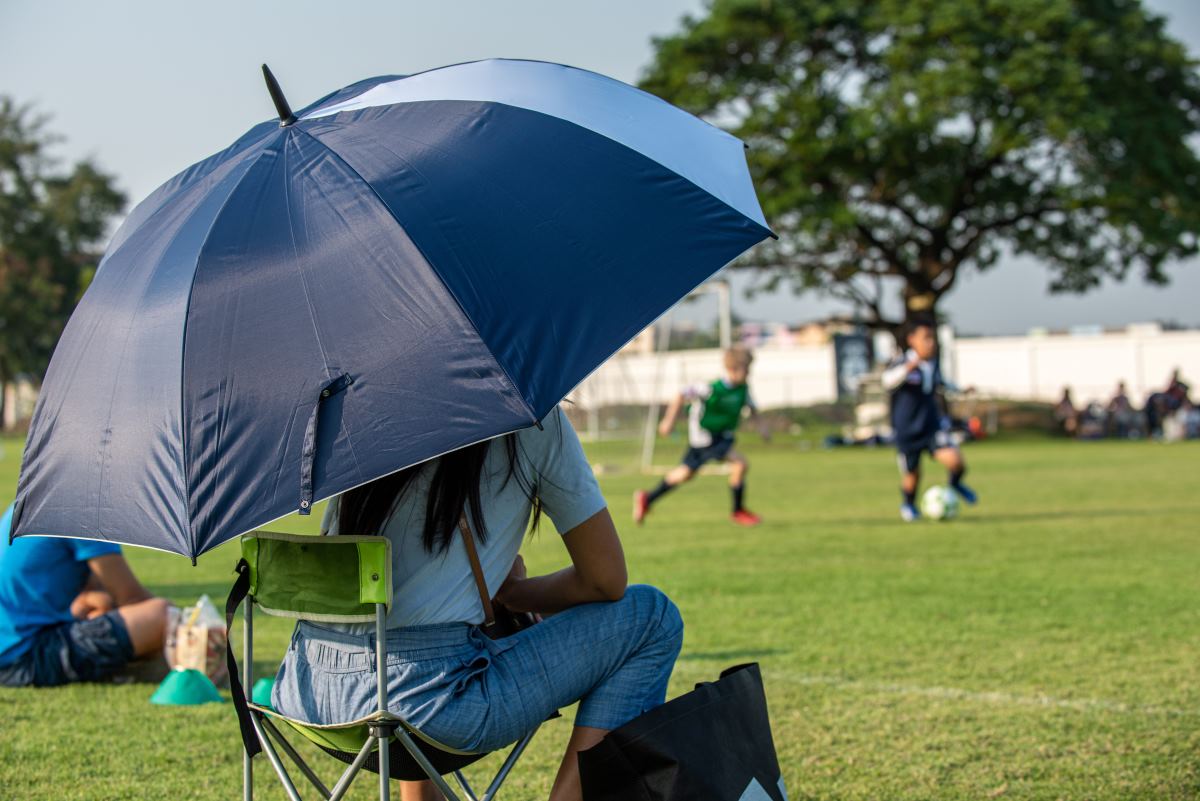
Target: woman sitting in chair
[{"x": 608, "y": 646}]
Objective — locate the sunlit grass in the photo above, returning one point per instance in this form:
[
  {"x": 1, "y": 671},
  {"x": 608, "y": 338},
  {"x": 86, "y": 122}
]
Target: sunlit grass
[{"x": 1046, "y": 645}]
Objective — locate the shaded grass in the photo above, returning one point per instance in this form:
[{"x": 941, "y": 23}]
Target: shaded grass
[{"x": 1046, "y": 645}]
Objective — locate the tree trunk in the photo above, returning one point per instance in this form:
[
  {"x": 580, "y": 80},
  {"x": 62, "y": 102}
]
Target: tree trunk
[{"x": 919, "y": 302}]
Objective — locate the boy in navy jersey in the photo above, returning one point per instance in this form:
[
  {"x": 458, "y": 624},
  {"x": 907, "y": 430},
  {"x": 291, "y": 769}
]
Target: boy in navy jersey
[{"x": 913, "y": 380}]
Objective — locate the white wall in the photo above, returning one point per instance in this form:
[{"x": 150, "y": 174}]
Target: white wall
[
  {"x": 1091, "y": 365},
  {"x": 785, "y": 377},
  {"x": 1028, "y": 368}
]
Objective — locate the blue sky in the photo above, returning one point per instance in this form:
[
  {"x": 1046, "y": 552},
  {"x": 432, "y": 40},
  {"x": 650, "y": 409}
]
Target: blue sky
[{"x": 147, "y": 88}]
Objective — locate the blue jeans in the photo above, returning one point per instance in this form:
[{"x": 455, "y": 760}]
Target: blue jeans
[
  {"x": 82, "y": 650},
  {"x": 476, "y": 694}
]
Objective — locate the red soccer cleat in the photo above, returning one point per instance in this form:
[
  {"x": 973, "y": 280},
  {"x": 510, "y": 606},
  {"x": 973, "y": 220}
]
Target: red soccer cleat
[
  {"x": 745, "y": 518},
  {"x": 640, "y": 506}
]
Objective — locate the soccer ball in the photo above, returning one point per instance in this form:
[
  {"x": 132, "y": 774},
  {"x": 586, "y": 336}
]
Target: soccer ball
[{"x": 939, "y": 503}]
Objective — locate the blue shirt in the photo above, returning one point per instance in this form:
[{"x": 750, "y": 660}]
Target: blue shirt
[
  {"x": 39, "y": 578},
  {"x": 915, "y": 414}
]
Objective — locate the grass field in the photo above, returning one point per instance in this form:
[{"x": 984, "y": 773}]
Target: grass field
[{"x": 1044, "y": 646}]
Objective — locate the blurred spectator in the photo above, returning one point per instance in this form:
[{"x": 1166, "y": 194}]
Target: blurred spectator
[
  {"x": 1169, "y": 414},
  {"x": 1155, "y": 410},
  {"x": 1122, "y": 419},
  {"x": 1066, "y": 415},
  {"x": 1177, "y": 392},
  {"x": 1092, "y": 421},
  {"x": 1182, "y": 423},
  {"x": 1191, "y": 419},
  {"x": 1160, "y": 405}
]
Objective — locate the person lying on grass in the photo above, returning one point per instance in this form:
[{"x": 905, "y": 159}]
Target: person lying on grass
[
  {"x": 71, "y": 610},
  {"x": 609, "y": 646}
]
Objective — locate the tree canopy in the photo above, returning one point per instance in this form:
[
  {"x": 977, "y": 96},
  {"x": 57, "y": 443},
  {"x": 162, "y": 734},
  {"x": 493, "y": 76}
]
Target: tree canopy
[
  {"x": 897, "y": 143},
  {"x": 52, "y": 225}
]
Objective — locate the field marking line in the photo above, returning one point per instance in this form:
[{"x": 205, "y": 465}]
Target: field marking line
[{"x": 985, "y": 696}]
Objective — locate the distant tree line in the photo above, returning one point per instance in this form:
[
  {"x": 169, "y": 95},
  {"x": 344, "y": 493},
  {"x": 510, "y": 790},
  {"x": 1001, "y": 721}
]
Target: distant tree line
[
  {"x": 53, "y": 224},
  {"x": 897, "y": 144}
]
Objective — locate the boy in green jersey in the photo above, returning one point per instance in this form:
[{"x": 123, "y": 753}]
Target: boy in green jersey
[{"x": 713, "y": 415}]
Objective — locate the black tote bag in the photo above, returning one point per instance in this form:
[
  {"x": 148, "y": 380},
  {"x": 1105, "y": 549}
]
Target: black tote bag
[{"x": 712, "y": 744}]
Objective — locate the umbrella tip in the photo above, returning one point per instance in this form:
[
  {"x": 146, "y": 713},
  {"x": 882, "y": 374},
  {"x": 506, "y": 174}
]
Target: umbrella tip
[{"x": 286, "y": 117}]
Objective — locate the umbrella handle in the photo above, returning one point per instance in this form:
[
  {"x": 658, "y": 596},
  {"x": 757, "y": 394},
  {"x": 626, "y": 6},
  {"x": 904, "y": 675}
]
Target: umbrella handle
[{"x": 309, "y": 455}]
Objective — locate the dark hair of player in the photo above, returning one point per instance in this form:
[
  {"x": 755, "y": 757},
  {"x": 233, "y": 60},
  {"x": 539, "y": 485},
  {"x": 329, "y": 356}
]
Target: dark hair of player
[{"x": 917, "y": 322}]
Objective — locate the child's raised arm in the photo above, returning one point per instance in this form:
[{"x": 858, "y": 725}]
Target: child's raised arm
[
  {"x": 668, "y": 421},
  {"x": 759, "y": 421}
]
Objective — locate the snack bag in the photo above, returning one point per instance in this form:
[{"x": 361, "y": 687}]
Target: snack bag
[{"x": 196, "y": 640}]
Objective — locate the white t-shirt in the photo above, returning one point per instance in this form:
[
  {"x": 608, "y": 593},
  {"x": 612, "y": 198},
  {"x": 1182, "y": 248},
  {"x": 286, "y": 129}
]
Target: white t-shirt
[{"x": 439, "y": 587}]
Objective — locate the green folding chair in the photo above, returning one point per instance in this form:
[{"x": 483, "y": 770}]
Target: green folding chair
[{"x": 343, "y": 579}]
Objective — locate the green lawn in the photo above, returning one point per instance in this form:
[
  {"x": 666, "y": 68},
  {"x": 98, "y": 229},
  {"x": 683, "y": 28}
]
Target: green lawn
[{"x": 1046, "y": 645}]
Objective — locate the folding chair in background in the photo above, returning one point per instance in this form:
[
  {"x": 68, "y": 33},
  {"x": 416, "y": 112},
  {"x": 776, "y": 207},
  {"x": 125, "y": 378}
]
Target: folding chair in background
[{"x": 343, "y": 579}]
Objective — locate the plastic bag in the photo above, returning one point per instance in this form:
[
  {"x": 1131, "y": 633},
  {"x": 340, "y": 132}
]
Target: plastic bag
[{"x": 196, "y": 640}]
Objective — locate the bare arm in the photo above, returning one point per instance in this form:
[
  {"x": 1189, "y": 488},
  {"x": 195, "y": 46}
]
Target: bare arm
[
  {"x": 758, "y": 420},
  {"x": 597, "y": 572},
  {"x": 117, "y": 579},
  {"x": 91, "y": 603},
  {"x": 668, "y": 421}
]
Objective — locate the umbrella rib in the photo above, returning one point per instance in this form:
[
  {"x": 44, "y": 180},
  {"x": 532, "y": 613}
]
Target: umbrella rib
[
  {"x": 184, "y": 438},
  {"x": 158, "y": 209},
  {"x": 312, "y": 314},
  {"x": 287, "y": 203}
]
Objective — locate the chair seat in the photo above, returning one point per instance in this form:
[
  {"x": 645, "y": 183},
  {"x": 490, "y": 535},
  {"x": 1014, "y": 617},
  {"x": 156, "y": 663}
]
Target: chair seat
[
  {"x": 343, "y": 741},
  {"x": 401, "y": 764}
]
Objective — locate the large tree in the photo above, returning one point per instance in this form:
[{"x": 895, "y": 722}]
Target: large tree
[
  {"x": 897, "y": 143},
  {"x": 52, "y": 225}
]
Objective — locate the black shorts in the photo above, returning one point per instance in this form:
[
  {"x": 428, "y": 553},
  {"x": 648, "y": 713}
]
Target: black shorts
[
  {"x": 82, "y": 650},
  {"x": 695, "y": 458},
  {"x": 908, "y": 454}
]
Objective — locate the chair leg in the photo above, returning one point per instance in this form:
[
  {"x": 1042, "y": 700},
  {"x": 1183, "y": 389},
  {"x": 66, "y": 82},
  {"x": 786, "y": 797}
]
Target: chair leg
[
  {"x": 247, "y": 682},
  {"x": 385, "y": 760},
  {"x": 297, "y": 760},
  {"x": 422, "y": 760},
  {"x": 343, "y": 784},
  {"x": 382, "y": 731},
  {"x": 506, "y": 767},
  {"x": 466, "y": 788},
  {"x": 273, "y": 758}
]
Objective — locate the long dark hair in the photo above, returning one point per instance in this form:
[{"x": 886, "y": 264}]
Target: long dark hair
[{"x": 453, "y": 488}]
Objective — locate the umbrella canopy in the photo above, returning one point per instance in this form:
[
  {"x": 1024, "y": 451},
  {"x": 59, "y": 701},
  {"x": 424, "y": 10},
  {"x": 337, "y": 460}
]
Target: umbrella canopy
[{"x": 408, "y": 266}]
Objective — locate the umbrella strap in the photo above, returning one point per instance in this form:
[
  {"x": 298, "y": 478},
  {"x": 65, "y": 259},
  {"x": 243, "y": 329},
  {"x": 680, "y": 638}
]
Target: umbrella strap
[
  {"x": 310, "y": 440},
  {"x": 241, "y": 588}
]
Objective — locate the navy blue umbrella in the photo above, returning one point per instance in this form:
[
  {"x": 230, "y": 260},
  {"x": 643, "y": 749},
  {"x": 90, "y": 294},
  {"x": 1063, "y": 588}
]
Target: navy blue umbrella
[{"x": 408, "y": 266}]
